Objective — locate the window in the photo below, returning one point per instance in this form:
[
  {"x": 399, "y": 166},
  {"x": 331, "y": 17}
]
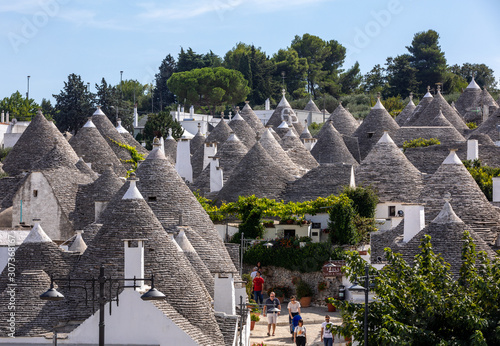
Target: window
[
  {"x": 316, "y": 225},
  {"x": 35, "y": 193},
  {"x": 314, "y": 234},
  {"x": 370, "y": 134},
  {"x": 392, "y": 210},
  {"x": 288, "y": 233},
  {"x": 152, "y": 199}
]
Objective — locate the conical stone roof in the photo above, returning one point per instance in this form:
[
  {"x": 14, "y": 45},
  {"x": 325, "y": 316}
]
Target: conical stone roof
[
  {"x": 489, "y": 127},
  {"x": 130, "y": 140},
  {"x": 373, "y": 127},
  {"x": 469, "y": 100},
  {"x": 440, "y": 120},
  {"x": 283, "y": 108},
  {"x": 170, "y": 147},
  {"x": 330, "y": 147},
  {"x": 251, "y": 118},
  {"x": 343, "y": 121},
  {"x": 220, "y": 133},
  {"x": 321, "y": 181},
  {"x": 390, "y": 172},
  {"x": 85, "y": 169},
  {"x": 257, "y": 174},
  {"x": 110, "y": 134},
  {"x": 170, "y": 198},
  {"x": 311, "y": 106},
  {"x": 101, "y": 190},
  {"x": 305, "y": 133},
  {"x": 89, "y": 143},
  {"x": 432, "y": 110},
  {"x": 282, "y": 130},
  {"x": 189, "y": 251},
  {"x": 230, "y": 153},
  {"x": 415, "y": 115},
  {"x": 469, "y": 201},
  {"x": 406, "y": 112},
  {"x": 244, "y": 132},
  {"x": 132, "y": 218},
  {"x": 197, "y": 141},
  {"x": 295, "y": 149},
  {"x": 197, "y": 161},
  {"x": 446, "y": 231},
  {"x": 36, "y": 141},
  {"x": 275, "y": 150}
]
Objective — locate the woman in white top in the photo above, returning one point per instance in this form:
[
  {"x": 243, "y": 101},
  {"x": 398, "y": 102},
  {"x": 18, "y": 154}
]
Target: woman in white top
[
  {"x": 300, "y": 334},
  {"x": 293, "y": 309}
]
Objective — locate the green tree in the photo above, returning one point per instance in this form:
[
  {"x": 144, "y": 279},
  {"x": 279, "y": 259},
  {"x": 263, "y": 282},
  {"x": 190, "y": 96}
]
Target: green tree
[
  {"x": 162, "y": 96},
  {"x": 427, "y": 58},
  {"x": 324, "y": 59},
  {"x": 256, "y": 68},
  {"x": 132, "y": 91},
  {"x": 341, "y": 225},
  {"x": 209, "y": 87},
  {"x": 350, "y": 80},
  {"x": 287, "y": 61},
  {"x": 74, "y": 104},
  {"x": 483, "y": 75},
  {"x": 401, "y": 76},
  {"x": 47, "y": 109},
  {"x": 19, "y": 107},
  {"x": 422, "y": 303},
  {"x": 158, "y": 125},
  {"x": 375, "y": 80},
  {"x": 189, "y": 60}
]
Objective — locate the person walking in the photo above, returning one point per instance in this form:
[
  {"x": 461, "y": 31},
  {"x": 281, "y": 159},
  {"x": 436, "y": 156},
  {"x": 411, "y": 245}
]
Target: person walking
[
  {"x": 299, "y": 334},
  {"x": 253, "y": 273},
  {"x": 326, "y": 334},
  {"x": 272, "y": 317},
  {"x": 293, "y": 310},
  {"x": 258, "y": 286}
]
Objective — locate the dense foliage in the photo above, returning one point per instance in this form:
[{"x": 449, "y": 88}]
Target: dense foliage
[
  {"x": 158, "y": 125},
  {"x": 420, "y": 142},
  {"x": 19, "y": 107},
  {"x": 288, "y": 254},
  {"x": 483, "y": 175},
  {"x": 423, "y": 304}
]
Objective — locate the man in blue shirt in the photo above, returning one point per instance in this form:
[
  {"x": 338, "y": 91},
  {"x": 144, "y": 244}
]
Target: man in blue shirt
[{"x": 272, "y": 317}]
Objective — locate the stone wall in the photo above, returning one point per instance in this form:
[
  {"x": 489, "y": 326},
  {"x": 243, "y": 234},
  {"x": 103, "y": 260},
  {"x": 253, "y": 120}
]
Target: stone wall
[{"x": 277, "y": 276}]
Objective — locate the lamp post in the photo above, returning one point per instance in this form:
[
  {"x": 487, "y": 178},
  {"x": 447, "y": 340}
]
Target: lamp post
[
  {"x": 28, "y": 91},
  {"x": 358, "y": 288},
  {"x": 53, "y": 295}
]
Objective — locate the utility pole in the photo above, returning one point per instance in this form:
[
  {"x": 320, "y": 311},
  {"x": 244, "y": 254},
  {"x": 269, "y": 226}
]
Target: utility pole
[{"x": 28, "y": 92}]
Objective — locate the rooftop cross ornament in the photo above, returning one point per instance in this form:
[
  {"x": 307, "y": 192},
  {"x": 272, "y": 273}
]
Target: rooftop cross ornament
[
  {"x": 411, "y": 96},
  {"x": 428, "y": 88},
  {"x": 447, "y": 197},
  {"x": 283, "y": 91}
]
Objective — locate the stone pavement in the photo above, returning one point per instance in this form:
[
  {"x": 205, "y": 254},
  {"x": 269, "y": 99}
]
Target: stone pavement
[{"x": 313, "y": 317}]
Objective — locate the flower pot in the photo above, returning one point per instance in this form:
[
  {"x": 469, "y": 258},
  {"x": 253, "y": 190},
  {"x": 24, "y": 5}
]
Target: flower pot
[
  {"x": 331, "y": 307},
  {"x": 305, "y": 302},
  {"x": 252, "y": 325}
]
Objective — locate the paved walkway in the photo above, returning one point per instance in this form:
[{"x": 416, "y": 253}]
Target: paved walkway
[{"x": 312, "y": 316}]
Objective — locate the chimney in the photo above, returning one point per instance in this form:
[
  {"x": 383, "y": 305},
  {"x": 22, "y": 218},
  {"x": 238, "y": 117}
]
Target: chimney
[
  {"x": 134, "y": 261},
  {"x": 209, "y": 149},
  {"x": 183, "y": 160},
  {"x": 216, "y": 175},
  {"x": 352, "y": 180},
  {"x": 472, "y": 149},
  {"x": 191, "y": 111},
  {"x": 223, "y": 293},
  {"x": 136, "y": 117},
  {"x": 162, "y": 144},
  {"x": 3, "y": 117},
  {"x": 496, "y": 189},
  {"x": 7, "y": 117},
  {"x": 309, "y": 143},
  {"x": 268, "y": 105},
  {"x": 414, "y": 221}
]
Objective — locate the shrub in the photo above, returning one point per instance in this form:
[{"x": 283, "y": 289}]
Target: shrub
[
  {"x": 254, "y": 317},
  {"x": 364, "y": 198},
  {"x": 4, "y": 152},
  {"x": 472, "y": 125},
  {"x": 341, "y": 225},
  {"x": 420, "y": 142},
  {"x": 483, "y": 175},
  {"x": 303, "y": 289},
  {"x": 287, "y": 253}
]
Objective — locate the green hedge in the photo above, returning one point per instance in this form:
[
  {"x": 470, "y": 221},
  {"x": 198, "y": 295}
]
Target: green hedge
[{"x": 288, "y": 254}]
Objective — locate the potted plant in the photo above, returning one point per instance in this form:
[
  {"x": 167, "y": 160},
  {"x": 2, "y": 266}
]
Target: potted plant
[
  {"x": 329, "y": 303},
  {"x": 304, "y": 293},
  {"x": 253, "y": 318}
]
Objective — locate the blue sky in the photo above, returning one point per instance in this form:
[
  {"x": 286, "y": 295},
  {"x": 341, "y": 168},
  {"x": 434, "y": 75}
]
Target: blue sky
[{"x": 49, "y": 39}]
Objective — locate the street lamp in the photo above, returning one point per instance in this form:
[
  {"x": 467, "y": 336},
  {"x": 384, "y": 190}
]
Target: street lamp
[
  {"x": 53, "y": 295},
  {"x": 28, "y": 91},
  {"x": 356, "y": 287}
]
